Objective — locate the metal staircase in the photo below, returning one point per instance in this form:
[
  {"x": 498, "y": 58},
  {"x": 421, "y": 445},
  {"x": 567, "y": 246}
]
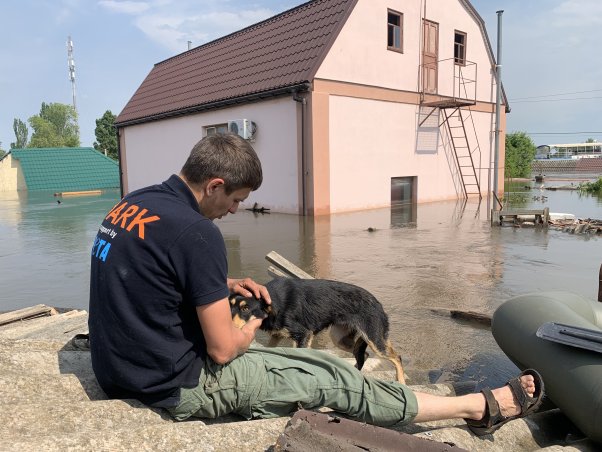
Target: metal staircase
[
  {"x": 456, "y": 123},
  {"x": 454, "y": 100}
]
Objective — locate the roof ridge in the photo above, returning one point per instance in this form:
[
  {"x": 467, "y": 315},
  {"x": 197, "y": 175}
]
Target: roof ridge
[
  {"x": 263, "y": 59},
  {"x": 52, "y": 148}
]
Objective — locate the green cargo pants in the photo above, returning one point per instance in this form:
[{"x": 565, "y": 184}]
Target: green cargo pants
[{"x": 273, "y": 382}]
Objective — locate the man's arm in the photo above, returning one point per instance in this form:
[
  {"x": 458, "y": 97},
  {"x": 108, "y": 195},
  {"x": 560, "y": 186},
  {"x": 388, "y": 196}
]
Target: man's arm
[{"x": 224, "y": 341}]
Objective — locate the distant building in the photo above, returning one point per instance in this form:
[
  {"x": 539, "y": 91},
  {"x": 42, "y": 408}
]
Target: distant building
[
  {"x": 569, "y": 151},
  {"x": 57, "y": 169},
  {"x": 350, "y": 105}
]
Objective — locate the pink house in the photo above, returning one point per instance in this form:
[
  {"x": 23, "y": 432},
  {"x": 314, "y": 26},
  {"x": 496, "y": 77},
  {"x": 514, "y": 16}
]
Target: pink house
[{"x": 350, "y": 105}]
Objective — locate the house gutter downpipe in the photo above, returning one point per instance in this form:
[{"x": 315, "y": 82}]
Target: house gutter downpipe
[
  {"x": 303, "y": 103},
  {"x": 498, "y": 101},
  {"x": 119, "y": 159}
]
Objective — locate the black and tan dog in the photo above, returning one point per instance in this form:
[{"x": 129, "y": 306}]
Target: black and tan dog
[{"x": 302, "y": 308}]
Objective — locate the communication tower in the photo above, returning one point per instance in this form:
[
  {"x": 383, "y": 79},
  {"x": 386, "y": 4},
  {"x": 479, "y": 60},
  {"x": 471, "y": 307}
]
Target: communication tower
[{"x": 71, "y": 64}]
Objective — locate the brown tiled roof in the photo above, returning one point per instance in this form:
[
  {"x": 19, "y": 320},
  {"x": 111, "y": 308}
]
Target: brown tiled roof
[{"x": 278, "y": 54}]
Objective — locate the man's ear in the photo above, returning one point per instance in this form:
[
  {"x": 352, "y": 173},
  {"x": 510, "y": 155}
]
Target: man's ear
[{"x": 213, "y": 185}]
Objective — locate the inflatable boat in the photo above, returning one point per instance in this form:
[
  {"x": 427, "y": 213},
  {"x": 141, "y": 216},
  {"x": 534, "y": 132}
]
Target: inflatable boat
[{"x": 550, "y": 332}]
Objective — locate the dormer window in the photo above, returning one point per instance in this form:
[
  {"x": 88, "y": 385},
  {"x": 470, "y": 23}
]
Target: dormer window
[
  {"x": 394, "y": 30},
  {"x": 460, "y": 48}
]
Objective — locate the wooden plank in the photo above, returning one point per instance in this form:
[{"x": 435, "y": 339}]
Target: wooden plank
[
  {"x": 472, "y": 316},
  {"x": 516, "y": 212},
  {"x": 79, "y": 193},
  {"x": 26, "y": 313},
  {"x": 276, "y": 273},
  {"x": 286, "y": 266}
]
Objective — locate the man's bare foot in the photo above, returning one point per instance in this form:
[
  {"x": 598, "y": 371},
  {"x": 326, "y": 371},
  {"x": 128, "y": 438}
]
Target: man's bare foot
[
  {"x": 505, "y": 398},
  {"x": 520, "y": 397}
]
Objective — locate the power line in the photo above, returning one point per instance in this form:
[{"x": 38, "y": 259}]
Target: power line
[
  {"x": 561, "y": 133},
  {"x": 558, "y": 94},
  {"x": 557, "y": 100}
]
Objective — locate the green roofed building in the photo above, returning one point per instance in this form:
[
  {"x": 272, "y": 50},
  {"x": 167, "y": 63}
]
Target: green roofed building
[{"x": 58, "y": 169}]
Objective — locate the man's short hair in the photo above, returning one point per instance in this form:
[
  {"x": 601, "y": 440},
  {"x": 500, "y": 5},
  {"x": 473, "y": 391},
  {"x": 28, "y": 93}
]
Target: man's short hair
[{"x": 227, "y": 156}]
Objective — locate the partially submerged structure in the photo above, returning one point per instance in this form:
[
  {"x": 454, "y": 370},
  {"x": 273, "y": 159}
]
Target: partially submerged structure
[
  {"x": 350, "y": 105},
  {"x": 57, "y": 169},
  {"x": 569, "y": 151}
]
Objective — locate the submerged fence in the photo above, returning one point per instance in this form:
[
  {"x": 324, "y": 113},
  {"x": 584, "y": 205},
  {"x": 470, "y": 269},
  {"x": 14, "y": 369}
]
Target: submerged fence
[{"x": 592, "y": 165}]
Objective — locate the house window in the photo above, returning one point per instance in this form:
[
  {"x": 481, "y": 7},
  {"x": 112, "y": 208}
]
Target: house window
[
  {"x": 215, "y": 129},
  {"x": 394, "y": 31},
  {"x": 460, "y": 48}
]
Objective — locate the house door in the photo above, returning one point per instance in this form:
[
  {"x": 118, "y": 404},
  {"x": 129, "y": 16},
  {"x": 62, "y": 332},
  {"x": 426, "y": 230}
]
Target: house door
[
  {"x": 430, "y": 53},
  {"x": 404, "y": 209},
  {"x": 403, "y": 190}
]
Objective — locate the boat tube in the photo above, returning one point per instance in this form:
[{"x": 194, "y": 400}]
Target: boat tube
[{"x": 572, "y": 375}]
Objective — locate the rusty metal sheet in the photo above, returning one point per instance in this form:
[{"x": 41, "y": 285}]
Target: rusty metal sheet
[{"x": 308, "y": 430}]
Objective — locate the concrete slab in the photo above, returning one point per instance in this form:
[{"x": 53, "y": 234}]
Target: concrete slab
[
  {"x": 13, "y": 330},
  {"x": 63, "y": 330},
  {"x": 47, "y": 362},
  {"x": 57, "y": 417},
  {"x": 51, "y": 327},
  {"x": 183, "y": 437},
  {"x": 527, "y": 434},
  {"x": 23, "y": 345},
  {"x": 15, "y": 388}
]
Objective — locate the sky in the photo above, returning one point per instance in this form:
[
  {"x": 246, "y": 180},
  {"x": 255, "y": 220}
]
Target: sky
[{"x": 551, "y": 65}]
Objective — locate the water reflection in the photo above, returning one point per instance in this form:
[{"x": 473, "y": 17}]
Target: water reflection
[
  {"x": 413, "y": 260},
  {"x": 418, "y": 260},
  {"x": 404, "y": 215},
  {"x": 45, "y": 247}
]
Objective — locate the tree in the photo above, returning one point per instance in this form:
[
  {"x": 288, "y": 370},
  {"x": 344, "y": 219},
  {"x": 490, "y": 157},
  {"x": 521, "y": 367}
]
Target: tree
[
  {"x": 520, "y": 152},
  {"x": 55, "y": 126},
  {"x": 21, "y": 134},
  {"x": 106, "y": 135},
  {"x": 2, "y": 151},
  {"x": 595, "y": 148}
]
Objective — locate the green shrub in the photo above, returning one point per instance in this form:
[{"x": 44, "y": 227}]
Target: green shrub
[
  {"x": 520, "y": 152},
  {"x": 591, "y": 187}
]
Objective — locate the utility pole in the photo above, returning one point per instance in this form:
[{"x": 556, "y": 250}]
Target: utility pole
[
  {"x": 498, "y": 98},
  {"x": 71, "y": 64}
]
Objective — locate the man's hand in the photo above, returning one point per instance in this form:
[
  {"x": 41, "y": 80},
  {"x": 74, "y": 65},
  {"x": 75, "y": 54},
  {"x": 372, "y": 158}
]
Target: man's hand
[
  {"x": 250, "y": 328},
  {"x": 224, "y": 341},
  {"x": 249, "y": 288}
]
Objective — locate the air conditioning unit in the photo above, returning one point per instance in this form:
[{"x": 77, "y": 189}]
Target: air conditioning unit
[{"x": 243, "y": 127}]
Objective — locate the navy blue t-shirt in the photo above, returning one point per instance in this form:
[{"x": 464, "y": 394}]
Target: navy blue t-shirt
[{"x": 154, "y": 260}]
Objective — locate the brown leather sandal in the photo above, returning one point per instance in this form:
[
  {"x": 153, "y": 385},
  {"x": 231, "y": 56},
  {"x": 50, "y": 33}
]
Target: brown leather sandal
[{"x": 493, "y": 418}]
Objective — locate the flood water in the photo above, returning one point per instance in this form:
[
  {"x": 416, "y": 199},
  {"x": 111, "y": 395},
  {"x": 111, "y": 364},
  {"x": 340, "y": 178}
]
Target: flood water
[{"x": 416, "y": 260}]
